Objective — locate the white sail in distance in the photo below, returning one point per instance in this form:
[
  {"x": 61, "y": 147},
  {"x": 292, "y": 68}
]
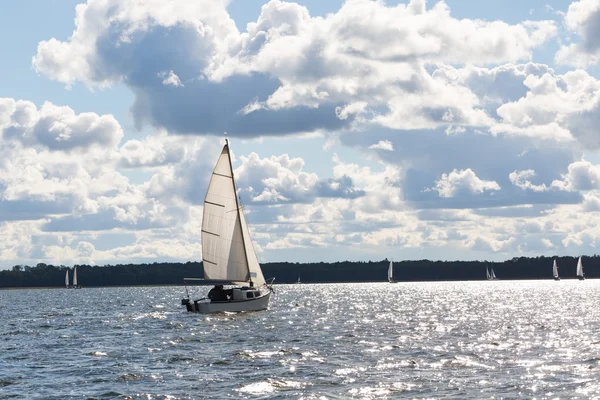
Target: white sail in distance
[{"x": 579, "y": 267}]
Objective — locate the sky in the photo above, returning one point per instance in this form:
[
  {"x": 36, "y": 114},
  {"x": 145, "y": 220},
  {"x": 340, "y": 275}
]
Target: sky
[{"x": 360, "y": 130}]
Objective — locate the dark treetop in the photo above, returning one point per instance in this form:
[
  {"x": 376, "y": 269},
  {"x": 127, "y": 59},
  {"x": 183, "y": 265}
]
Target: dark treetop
[{"x": 44, "y": 275}]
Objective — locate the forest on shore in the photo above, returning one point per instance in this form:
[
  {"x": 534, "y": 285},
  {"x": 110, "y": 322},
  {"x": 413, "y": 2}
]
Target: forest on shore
[{"x": 46, "y": 275}]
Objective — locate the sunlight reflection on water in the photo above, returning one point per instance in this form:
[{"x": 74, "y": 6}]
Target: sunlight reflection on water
[{"x": 444, "y": 339}]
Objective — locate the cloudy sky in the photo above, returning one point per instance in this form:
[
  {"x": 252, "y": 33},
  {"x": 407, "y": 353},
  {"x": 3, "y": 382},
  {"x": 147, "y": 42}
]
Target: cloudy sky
[{"x": 457, "y": 129}]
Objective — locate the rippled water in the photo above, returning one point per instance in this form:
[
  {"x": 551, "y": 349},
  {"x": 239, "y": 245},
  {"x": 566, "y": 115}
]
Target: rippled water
[{"x": 408, "y": 340}]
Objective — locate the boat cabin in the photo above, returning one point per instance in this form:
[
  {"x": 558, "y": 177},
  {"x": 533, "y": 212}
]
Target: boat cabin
[{"x": 244, "y": 293}]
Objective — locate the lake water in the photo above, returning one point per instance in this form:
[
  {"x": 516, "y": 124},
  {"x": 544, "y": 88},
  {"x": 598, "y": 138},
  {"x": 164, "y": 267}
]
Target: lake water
[{"x": 467, "y": 340}]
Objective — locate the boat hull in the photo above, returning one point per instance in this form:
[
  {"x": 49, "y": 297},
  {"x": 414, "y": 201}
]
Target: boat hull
[
  {"x": 556, "y": 278},
  {"x": 581, "y": 278},
  {"x": 207, "y": 306}
]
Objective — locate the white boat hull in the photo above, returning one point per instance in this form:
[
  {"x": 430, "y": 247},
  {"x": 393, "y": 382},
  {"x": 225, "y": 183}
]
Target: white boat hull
[{"x": 207, "y": 306}]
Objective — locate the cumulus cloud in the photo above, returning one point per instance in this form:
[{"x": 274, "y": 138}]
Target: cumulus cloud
[
  {"x": 434, "y": 93},
  {"x": 288, "y": 72},
  {"x": 456, "y": 182},
  {"x": 170, "y": 78},
  {"x": 281, "y": 179},
  {"x": 522, "y": 179},
  {"x": 383, "y": 145},
  {"x": 582, "y": 17},
  {"x": 54, "y": 127},
  {"x": 581, "y": 175}
]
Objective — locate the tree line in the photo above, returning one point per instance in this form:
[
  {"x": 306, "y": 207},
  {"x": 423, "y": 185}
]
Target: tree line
[{"x": 46, "y": 275}]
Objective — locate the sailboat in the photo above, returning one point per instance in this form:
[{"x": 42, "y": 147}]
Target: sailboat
[
  {"x": 75, "y": 285},
  {"x": 391, "y": 272},
  {"x": 298, "y": 281},
  {"x": 580, "y": 274},
  {"x": 490, "y": 274},
  {"x": 555, "y": 271},
  {"x": 67, "y": 279},
  {"x": 228, "y": 257}
]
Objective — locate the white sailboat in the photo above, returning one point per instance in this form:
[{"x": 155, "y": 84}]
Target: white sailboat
[
  {"x": 298, "y": 281},
  {"x": 75, "y": 285},
  {"x": 67, "y": 279},
  {"x": 555, "y": 271},
  {"x": 391, "y": 272},
  {"x": 490, "y": 274},
  {"x": 228, "y": 256},
  {"x": 580, "y": 274}
]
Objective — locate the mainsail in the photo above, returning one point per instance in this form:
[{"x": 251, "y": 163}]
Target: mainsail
[
  {"x": 227, "y": 251},
  {"x": 75, "y": 276},
  {"x": 579, "y": 267},
  {"x": 391, "y": 271},
  {"x": 67, "y": 278},
  {"x": 555, "y": 269}
]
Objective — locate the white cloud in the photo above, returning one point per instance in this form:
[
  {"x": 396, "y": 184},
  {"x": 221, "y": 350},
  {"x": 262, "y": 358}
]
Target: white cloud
[
  {"x": 581, "y": 175},
  {"x": 522, "y": 179},
  {"x": 583, "y": 18},
  {"x": 434, "y": 93},
  {"x": 169, "y": 78},
  {"x": 282, "y": 179},
  {"x": 383, "y": 145},
  {"x": 452, "y": 184},
  {"x": 56, "y": 128},
  {"x": 288, "y": 72}
]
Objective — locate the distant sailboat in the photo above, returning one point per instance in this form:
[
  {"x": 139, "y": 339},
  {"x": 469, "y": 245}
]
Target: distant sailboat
[
  {"x": 490, "y": 274},
  {"x": 67, "y": 279},
  {"x": 298, "y": 281},
  {"x": 75, "y": 285},
  {"x": 555, "y": 271},
  {"x": 228, "y": 256},
  {"x": 391, "y": 272},
  {"x": 580, "y": 274}
]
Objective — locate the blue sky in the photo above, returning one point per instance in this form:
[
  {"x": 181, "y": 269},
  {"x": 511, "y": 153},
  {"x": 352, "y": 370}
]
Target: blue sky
[{"x": 361, "y": 130}]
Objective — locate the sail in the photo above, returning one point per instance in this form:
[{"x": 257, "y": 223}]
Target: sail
[
  {"x": 555, "y": 269},
  {"x": 487, "y": 273},
  {"x": 223, "y": 252},
  {"x": 227, "y": 251},
  {"x": 579, "y": 267},
  {"x": 492, "y": 274},
  {"x": 67, "y": 278},
  {"x": 391, "y": 271},
  {"x": 256, "y": 275},
  {"x": 75, "y": 276}
]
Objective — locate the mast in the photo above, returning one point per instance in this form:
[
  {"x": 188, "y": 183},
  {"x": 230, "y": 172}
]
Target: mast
[{"x": 238, "y": 210}]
